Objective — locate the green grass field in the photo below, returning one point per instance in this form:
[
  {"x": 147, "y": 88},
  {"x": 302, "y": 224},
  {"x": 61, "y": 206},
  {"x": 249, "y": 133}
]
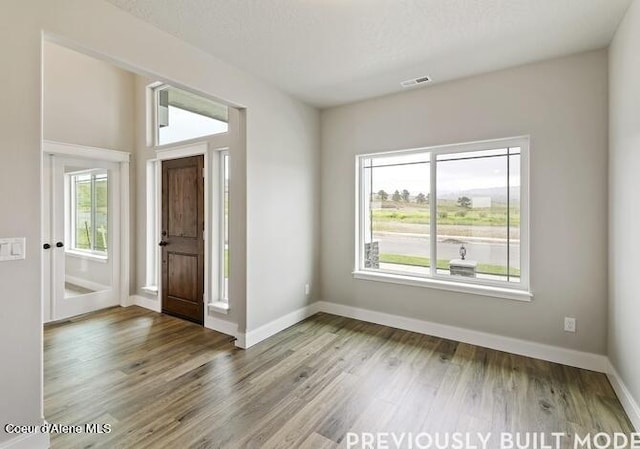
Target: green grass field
[
  {"x": 448, "y": 214},
  {"x": 417, "y": 261}
]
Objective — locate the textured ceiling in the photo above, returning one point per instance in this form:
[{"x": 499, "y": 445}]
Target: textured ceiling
[{"x": 328, "y": 52}]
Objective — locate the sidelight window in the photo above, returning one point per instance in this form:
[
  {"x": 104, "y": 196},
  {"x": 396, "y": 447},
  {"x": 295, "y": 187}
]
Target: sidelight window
[{"x": 224, "y": 226}]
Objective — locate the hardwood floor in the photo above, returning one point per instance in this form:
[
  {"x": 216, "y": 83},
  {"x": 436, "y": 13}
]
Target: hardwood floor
[{"x": 161, "y": 382}]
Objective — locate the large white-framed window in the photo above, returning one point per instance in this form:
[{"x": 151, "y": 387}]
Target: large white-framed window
[
  {"x": 87, "y": 213},
  {"x": 452, "y": 217}
]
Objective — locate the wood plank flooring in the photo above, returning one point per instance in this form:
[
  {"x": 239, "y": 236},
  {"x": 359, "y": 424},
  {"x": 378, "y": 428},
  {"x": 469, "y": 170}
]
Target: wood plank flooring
[{"x": 161, "y": 382}]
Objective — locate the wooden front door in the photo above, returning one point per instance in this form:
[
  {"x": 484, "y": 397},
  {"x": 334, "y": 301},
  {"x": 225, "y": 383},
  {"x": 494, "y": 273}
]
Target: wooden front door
[{"x": 183, "y": 238}]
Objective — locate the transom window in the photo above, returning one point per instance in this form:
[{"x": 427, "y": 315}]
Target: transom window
[
  {"x": 455, "y": 213},
  {"x": 182, "y": 115},
  {"x": 89, "y": 214}
]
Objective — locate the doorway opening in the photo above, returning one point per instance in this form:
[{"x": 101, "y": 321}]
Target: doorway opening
[
  {"x": 152, "y": 120},
  {"x": 82, "y": 230},
  {"x": 188, "y": 201}
]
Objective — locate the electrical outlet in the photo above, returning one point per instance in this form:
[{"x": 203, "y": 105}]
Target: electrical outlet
[
  {"x": 569, "y": 324},
  {"x": 307, "y": 289}
]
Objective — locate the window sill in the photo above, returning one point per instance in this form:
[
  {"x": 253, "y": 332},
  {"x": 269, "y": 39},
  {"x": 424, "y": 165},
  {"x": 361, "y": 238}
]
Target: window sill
[
  {"x": 219, "y": 307},
  {"x": 151, "y": 289},
  {"x": 87, "y": 256},
  {"x": 484, "y": 290}
]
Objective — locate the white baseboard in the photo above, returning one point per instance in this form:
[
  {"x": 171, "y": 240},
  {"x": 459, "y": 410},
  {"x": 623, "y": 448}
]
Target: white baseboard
[
  {"x": 250, "y": 338},
  {"x": 241, "y": 340},
  {"x": 629, "y": 403},
  {"x": 555, "y": 354},
  {"x": 218, "y": 325},
  {"x": 578, "y": 359},
  {"x": 570, "y": 357},
  {"x": 147, "y": 303},
  {"x": 126, "y": 301},
  {"x": 28, "y": 441},
  {"x": 585, "y": 360}
]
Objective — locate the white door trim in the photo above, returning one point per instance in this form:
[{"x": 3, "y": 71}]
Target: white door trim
[
  {"x": 85, "y": 152},
  {"x": 180, "y": 151}
]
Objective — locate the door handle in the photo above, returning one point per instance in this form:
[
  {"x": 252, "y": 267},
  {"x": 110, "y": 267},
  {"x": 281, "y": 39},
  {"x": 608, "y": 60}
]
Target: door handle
[
  {"x": 59, "y": 245},
  {"x": 163, "y": 243},
  {"x": 46, "y": 246}
]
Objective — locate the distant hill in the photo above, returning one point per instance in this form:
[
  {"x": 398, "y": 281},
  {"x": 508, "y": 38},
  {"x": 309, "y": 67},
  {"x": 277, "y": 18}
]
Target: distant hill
[{"x": 497, "y": 194}]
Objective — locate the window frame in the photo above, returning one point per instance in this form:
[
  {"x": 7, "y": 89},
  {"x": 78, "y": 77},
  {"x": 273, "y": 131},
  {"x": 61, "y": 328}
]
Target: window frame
[
  {"x": 71, "y": 219},
  {"x": 153, "y": 208},
  {"x": 223, "y": 293},
  {"x": 518, "y": 291}
]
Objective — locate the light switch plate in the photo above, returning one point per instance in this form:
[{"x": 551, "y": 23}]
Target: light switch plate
[{"x": 12, "y": 249}]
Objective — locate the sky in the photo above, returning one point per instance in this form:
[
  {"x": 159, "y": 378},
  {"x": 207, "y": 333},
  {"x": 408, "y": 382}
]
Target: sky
[
  {"x": 452, "y": 175},
  {"x": 184, "y": 125}
]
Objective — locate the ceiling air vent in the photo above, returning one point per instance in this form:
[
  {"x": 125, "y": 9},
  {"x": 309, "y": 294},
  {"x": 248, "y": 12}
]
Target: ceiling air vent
[{"x": 416, "y": 81}]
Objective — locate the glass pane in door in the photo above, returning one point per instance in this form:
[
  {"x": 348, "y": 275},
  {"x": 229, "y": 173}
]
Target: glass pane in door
[{"x": 88, "y": 268}]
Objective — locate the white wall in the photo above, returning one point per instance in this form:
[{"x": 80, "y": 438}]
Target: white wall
[
  {"x": 562, "y": 105},
  {"x": 624, "y": 209},
  {"x": 281, "y": 142},
  {"x": 283, "y": 210},
  {"x": 142, "y": 155},
  {"x": 86, "y": 101},
  {"x": 20, "y": 137}
]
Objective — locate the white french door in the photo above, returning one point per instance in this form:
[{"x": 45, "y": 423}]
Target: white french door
[{"x": 81, "y": 235}]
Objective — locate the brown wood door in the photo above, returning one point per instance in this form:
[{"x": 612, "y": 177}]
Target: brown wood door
[{"x": 183, "y": 238}]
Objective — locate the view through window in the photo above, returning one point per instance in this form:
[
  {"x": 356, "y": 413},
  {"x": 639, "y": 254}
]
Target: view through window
[
  {"x": 448, "y": 213},
  {"x": 89, "y": 210},
  {"x": 224, "y": 190},
  {"x": 182, "y": 115}
]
